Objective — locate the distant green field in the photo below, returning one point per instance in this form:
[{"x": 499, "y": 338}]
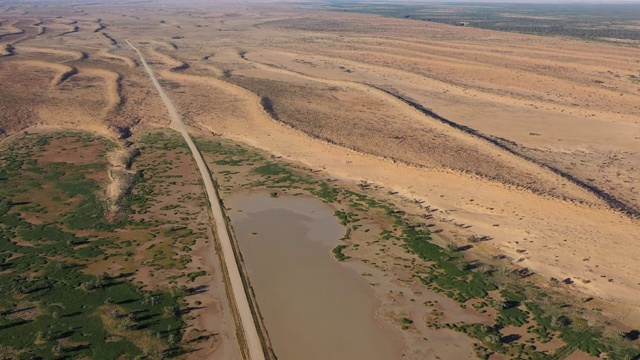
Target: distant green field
[{"x": 583, "y": 20}]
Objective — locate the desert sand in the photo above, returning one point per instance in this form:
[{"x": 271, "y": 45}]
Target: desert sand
[{"x": 531, "y": 141}]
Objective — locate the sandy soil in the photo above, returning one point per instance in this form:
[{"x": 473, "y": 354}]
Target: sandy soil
[
  {"x": 208, "y": 306},
  {"x": 215, "y": 312},
  {"x": 536, "y": 141},
  {"x": 240, "y": 298}
]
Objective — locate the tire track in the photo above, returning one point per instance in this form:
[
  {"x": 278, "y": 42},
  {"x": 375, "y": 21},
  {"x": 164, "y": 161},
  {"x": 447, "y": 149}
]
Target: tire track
[{"x": 247, "y": 324}]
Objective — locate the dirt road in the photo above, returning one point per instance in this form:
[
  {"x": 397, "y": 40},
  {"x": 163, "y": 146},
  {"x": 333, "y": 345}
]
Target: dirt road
[{"x": 241, "y": 302}]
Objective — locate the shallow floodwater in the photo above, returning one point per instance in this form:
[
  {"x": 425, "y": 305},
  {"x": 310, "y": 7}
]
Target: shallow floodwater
[{"x": 314, "y": 308}]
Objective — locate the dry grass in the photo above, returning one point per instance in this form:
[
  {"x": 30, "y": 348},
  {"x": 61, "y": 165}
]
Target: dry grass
[{"x": 147, "y": 342}]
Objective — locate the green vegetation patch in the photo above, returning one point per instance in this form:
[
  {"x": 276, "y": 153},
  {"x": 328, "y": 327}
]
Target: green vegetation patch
[
  {"x": 50, "y": 306},
  {"x": 337, "y": 252},
  {"x": 581, "y": 20}
]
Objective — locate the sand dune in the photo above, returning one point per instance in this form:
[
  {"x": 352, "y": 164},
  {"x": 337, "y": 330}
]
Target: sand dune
[
  {"x": 173, "y": 63},
  {"x": 10, "y": 29},
  {"x": 479, "y": 202},
  {"x": 73, "y": 29},
  {"x": 54, "y": 104},
  {"x": 64, "y": 55},
  {"x": 545, "y": 227},
  {"x": 341, "y": 91},
  {"x": 63, "y": 72},
  {"x": 114, "y": 84},
  {"x": 110, "y": 38},
  {"x": 119, "y": 59},
  {"x": 261, "y": 129},
  {"x": 22, "y": 30},
  {"x": 438, "y": 134},
  {"x": 436, "y": 93},
  {"x": 99, "y": 26}
]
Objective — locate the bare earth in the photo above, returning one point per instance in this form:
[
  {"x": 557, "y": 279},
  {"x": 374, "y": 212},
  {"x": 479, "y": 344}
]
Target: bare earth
[
  {"x": 532, "y": 141},
  {"x": 247, "y": 325}
]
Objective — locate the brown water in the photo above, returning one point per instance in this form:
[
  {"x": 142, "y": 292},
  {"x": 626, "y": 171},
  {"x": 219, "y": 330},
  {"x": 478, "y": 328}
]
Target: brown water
[{"x": 314, "y": 307}]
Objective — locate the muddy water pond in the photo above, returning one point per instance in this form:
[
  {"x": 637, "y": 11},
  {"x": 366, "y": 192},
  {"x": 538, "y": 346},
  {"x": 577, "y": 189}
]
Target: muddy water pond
[{"x": 313, "y": 306}]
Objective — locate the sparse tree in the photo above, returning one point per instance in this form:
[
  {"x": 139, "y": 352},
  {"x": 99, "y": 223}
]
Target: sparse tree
[
  {"x": 115, "y": 314},
  {"x": 171, "y": 310},
  {"x": 5, "y": 205},
  {"x": 620, "y": 335},
  {"x": 126, "y": 324},
  {"x": 7, "y": 353},
  {"x": 56, "y": 349},
  {"x": 560, "y": 321},
  {"x": 171, "y": 339},
  {"x": 493, "y": 339},
  {"x": 500, "y": 304}
]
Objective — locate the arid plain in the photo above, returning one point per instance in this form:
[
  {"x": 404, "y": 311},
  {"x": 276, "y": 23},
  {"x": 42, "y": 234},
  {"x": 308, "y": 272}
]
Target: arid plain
[{"x": 532, "y": 143}]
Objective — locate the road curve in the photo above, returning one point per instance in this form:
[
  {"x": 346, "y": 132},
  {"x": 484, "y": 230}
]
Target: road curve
[{"x": 247, "y": 323}]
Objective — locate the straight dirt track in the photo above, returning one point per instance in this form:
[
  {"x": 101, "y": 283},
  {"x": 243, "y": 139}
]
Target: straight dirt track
[{"x": 247, "y": 323}]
